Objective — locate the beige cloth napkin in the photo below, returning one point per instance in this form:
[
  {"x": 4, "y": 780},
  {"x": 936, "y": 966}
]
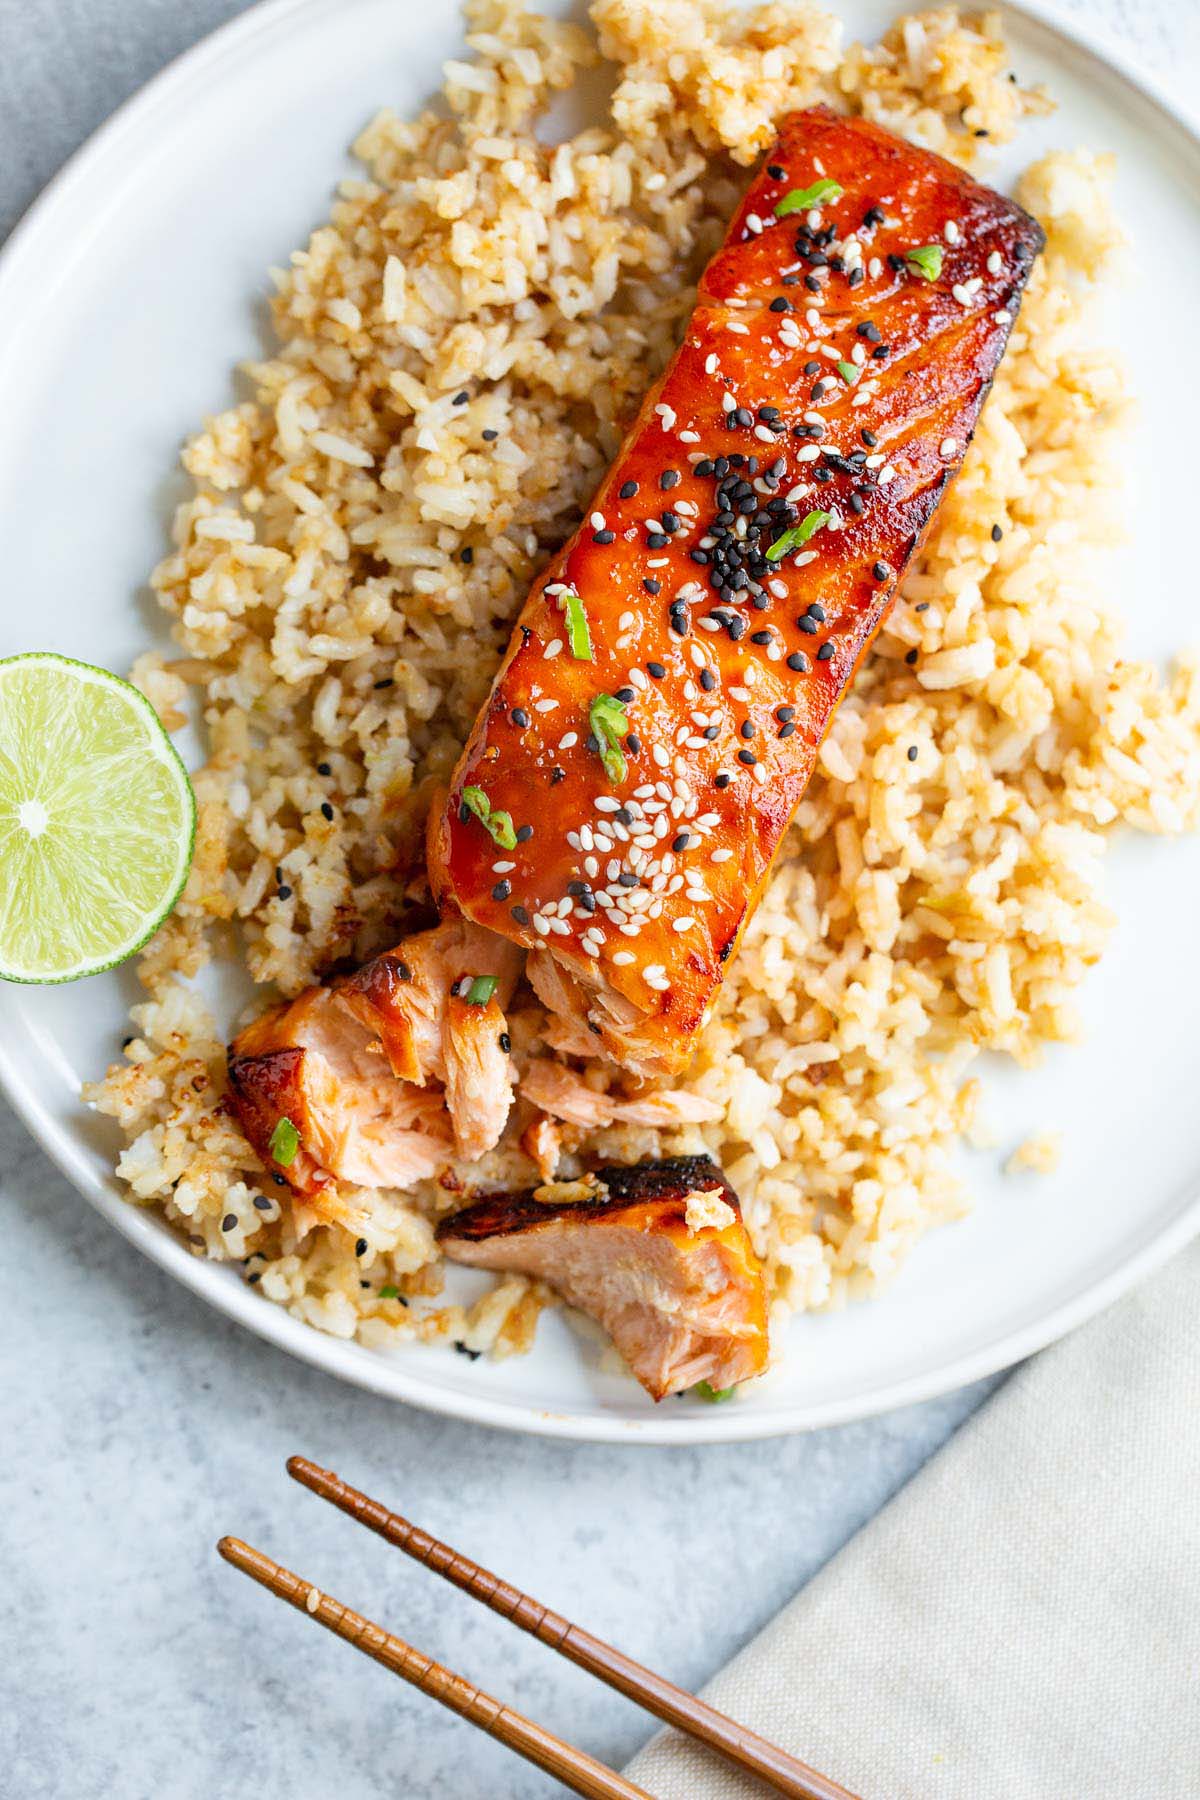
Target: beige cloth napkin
[{"x": 1023, "y": 1621}]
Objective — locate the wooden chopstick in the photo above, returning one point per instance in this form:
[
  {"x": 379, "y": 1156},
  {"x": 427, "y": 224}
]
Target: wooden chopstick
[
  {"x": 574, "y": 1768},
  {"x": 785, "y": 1773}
]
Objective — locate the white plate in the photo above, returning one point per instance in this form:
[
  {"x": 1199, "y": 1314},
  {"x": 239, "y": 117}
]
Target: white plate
[{"x": 125, "y": 300}]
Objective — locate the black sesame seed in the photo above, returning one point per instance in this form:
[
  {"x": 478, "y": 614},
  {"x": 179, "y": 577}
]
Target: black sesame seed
[
  {"x": 624, "y": 695},
  {"x": 669, "y": 478},
  {"x": 824, "y": 653},
  {"x": 798, "y": 662},
  {"x": 808, "y": 625},
  {"x": 524, "y": 833},
  {"x": 703, "y": 468},
  {"x": 670, "y": 521},
  {"x": 855, "y": 278},
  {"x": 489, "y": 437},
  {"x": 279, "y": 1180},
  {"x": 520, "y": 717},
  {"x": 736, "y": 628},
  {"x": 874, "y": 215},
  {"x": 822, "y": 474},
  {"x": 881, "y": 571},
  {"x": 403, "y": 972},
  {"x": 360, "y": 1247},
  {"x": 324, "y": 769},
  {"x": 657, "y": 540},
  {"x": 656, "y": 669},
  {"x": 557, "y": 775},
  {"x": 284, "y": 891},
  {"x": 812, "y": 368},
  {"x": 760, "y": 637},
  {"x": 651, "y": 586},
  {"x": 817, "y": 611},
  {"x": 467, "y": 553},
  {"x": 461, "y": 399},
  {"x": 781, "y": 304},
  {"x": 505, "y": 1042},
  {"x": 855, "y": 502},
  {"x": 502, "y": 890},
  {"x": 708, "y": 680},
  {"x": 263, "y": 1204},
  {"x": 775, "y": 171},
  {"x": 627, "y": 490},
  {"x": 604, "y": 537},
  {"x": 912, "y": 753},
  {"x": 712, "y": 733},
  {"x": 588, "y": 902},
  {"x": 722, "y": 780},
  {"x": 921, "y": 606},
  {"x": 633, "y": 744},
  {"x": 681, "y": 842},
  {"x": 812, "y": 283},
  {"x": 326, "y": 810},
  {"x": 748, "y": 757},
  {"x": 520, "y": 914},
  {"x": 786, "y": 729},
  {"x": 229, "y": 1222},
  {"x": 868, "y": 438},
  {"x": 627, "y": 879},
  {"x": 881, "y": 352},
  {"x": 911, "y": 658},
  {"x": 747, "y": 728},
  {"x": 997, "y": 534}
]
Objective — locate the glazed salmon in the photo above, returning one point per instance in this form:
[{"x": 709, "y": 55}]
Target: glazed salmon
[
  {"x": 656, "y": 1252},
  {"x": 659, "y": 710},
  {"x": 378, "y": 1078}
]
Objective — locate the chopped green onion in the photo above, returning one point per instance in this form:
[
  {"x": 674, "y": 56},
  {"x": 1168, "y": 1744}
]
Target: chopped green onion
[
  {"x": 849, "y": 373},
  {"x": 610, "y": 723},
  {"x": 578, "y": 635},
  {"x": 481, "y": 989},
  {"x": 285, "y": 1141},
  {"x": 925, "y": 260},
  {"x": 389, "y": 1291},
  {"x": 802, "y": 199},
  {"x": 499, "y": 824},
  {"x": 796, "y": 535},
  {"x": 704, "y": 1390}
]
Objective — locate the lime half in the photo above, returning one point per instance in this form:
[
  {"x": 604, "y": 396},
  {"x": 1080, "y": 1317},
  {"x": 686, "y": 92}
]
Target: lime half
[{"x": 97, "y": 819}]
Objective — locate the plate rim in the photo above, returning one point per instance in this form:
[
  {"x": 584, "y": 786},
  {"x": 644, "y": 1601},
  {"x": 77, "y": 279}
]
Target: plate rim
[{"x": 348, "y": 1360}]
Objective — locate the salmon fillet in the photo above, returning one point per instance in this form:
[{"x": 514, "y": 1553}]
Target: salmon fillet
[
  {"x": 656, "y": 1252},
  {"x": 378, "y": 1078},
  {"x": 659, "y": 710}
]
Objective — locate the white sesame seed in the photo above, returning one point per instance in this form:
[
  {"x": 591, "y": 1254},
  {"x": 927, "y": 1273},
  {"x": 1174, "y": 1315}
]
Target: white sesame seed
[
  {"x": 1003, "y": 317},
  {"x": 545, "y": 706},
  {"x": 720, "y": 856},
  {"x": 778, "y": 588},
  {"x": 568, "y": 740},
  {"x": 948, "y": 446},
  {"x": 666, "y": 415},
  {"x": 763, "y": 435},
  {"x": 540, "y": 925},
  {"x": 728, "y": 401},
  {"x": 552, "y": 649},
  {"x": 689, "y": 437},
  {"x": 995, "y": 263},
  {"x": 591, "y": 867},
  {"x": 759, "y": 773},
  {"x": 684, "y": 924},
  {"x": 639, "y": 678},
  {"x": 886, "y": 474},
  {"x": 602, "y": 842},
  {"x": 597, "y": 521},
  {"x": 588, "y": 948},
  {"x": 606, "y": 804},
  {"x": 951, "y": 233},
  {"x": 753, "y": 223},
  {"x": 626, "y": 620},
  {"x": 657, "y": 562},
  {"x": 574, "y": 838},
  {"x": 502, "y": 868}
]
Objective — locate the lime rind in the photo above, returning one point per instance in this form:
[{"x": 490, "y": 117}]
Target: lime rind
[{"x": 97, "y": 820}]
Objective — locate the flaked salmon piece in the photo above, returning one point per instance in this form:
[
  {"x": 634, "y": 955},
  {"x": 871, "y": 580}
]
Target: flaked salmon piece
[
  {"x": 669, "y": 682},
  {"x": 402, "y": 996},
  {"x": 683, "y": 1301},
  {"x": 382, "y": 1074},
  {"x": 478, "y": 1073},
  {"x": 541, "y": 1141},
  {"x": 566, "y": 1095},
  {"x": 317, "y": 1100}
]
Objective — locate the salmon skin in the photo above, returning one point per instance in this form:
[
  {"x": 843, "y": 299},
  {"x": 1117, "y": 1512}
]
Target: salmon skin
[{"x": 659, "y": 710}]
